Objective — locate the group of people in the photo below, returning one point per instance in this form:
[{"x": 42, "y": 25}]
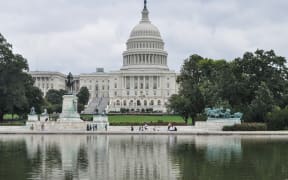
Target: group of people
[
  {"x": 94, "y": 127},
  {"x": 171, "y": 127},
  {"x": 142, "y": 128}
]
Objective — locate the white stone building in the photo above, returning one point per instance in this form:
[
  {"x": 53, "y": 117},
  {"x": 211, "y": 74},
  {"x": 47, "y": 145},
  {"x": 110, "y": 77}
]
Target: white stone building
[{"x": 144, "y": 83}]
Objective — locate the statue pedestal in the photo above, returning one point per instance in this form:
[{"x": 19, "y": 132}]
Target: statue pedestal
[
  {"x": 32, "y": 118},
  {"x": 69, "y": 109},
  {"x": 101, "y": 121},
  {"x": 44, "y": 118}
]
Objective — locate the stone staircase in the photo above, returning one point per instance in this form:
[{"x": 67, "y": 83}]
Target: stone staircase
[{"x": 99, "y": 104}]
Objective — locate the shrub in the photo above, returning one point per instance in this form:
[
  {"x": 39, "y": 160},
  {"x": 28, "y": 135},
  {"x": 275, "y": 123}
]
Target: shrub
[
  {"x": 201, "y": 117},
  {"x": 278, "y": 119},
  {"x": 246, "y": 127}
]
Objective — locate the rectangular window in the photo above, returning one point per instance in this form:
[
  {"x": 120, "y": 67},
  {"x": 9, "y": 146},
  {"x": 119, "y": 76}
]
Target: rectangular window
[
  {"x": 127, "y": 82},
  {"x": 141, "y": 82},
  {"x": 155, "y": 82},
  {"x": 147, "y": 82},
  {"x": 135, "y": 82}
]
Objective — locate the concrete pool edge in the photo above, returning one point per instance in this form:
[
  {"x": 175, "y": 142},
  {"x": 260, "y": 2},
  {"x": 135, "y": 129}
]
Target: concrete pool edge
[{"x": 200, "y": 133}]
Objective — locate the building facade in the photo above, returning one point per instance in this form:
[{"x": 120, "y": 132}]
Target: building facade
[{"x": 143, "y": 84}]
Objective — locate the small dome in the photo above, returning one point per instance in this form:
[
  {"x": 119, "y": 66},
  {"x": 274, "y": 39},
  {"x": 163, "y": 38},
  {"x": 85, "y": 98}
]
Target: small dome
[{"x": 145, "y": 29}]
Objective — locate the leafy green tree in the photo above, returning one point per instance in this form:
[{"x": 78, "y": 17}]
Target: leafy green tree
[
  {"x": 277, "y": 119},
  {"x": 179, "y": 105},
  {"x": 190, "y": 80},
  {"x": 260, "y": 106},
  {"x": 253, "y": 69},
  {"x": 55, "y": 96},
  {"x": 13, "y": 77},
  {"x": 83, "y": 98},
  {"x": 252, "y": 84},
  {"x": 54, "y": 100},
  {"x": 83, "y": 95}
]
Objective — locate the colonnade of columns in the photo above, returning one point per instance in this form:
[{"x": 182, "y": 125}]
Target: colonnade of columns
[
  {"x": 136, "y": 59},
  {"x": 141, "y": 82},
  {"x": 154, "y": 45}
]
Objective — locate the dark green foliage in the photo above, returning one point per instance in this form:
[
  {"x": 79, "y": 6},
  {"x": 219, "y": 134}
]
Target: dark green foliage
[
  {"x": 54, "y": 100},
  {"x": 260, "y": 106},
  {"x": 17, "y": 93},
  {"x": 179, "y": 105},
  {"x": 55, "y": 96},
  {"x": 253, "y": 84},
  {"x": 34, "y": 96},
  {"x": 190, "y": 102},
  {"x": 252, "y": 70},
  {"x": 83, "y": 98},
  {"x": 278, "y": 119},
  {"x": 80, "y": 107},
  {"x": 246, "y": 127},
  {"x": 200, "y": 117}
]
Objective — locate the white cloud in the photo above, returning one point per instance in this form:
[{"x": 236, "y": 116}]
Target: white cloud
[{"x": 78, "y": 36}]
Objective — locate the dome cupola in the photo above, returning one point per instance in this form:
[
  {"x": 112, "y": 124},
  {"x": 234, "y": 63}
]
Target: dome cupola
[{"x": 145, "y": 47}]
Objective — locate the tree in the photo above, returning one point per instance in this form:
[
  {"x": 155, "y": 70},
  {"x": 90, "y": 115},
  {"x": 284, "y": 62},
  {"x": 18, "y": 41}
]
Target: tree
[
  {"x": 83, "y": 98},
  {"x": 35, "y": 98},
  {"x": 190, "y": 97},
  {"x": 260, "y": 106},
  {"x": 54, "y": 100},
  {"x": 195, "y": 100},
  {"x": 13, "y": 76},
  {"x": 55, "y": 96},
  {"x": 179, "y": 105},
  {"x": 253, "y": 69}
]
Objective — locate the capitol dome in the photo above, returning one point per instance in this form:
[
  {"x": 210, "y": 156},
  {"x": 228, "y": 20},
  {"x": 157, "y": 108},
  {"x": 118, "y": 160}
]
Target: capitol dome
[
  {"x": 145, "y": 29},
  {"x": 145, "y": 47}
]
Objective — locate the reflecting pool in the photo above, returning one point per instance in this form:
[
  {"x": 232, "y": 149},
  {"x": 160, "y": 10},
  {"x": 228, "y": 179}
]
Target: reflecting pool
[{"x": 133, "y": 157}]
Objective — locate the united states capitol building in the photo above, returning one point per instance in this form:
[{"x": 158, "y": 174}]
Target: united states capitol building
[{"x": 144, "y": 82}]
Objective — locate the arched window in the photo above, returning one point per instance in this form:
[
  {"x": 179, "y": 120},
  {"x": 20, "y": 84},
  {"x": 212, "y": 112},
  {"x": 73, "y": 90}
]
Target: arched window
[
  {"x": 118, "y": 102},
  {"x": 131, "y": 103},
  {"x": 152, "y": 102},
  {"x": 138, "y": 103},
  {"x": 159, "y": 103},
  {"x": 124, "y": 103},
  {"x": 145, "y": 102}
]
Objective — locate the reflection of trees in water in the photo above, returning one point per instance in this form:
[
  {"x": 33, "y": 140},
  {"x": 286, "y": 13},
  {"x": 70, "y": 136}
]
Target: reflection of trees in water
[
  {"x": 267, "y": 162},
  {"x": 91, "y": 157},
  {"x": 141, "y": 157},
  {"x": 263, "y": 160},
  {"x": 13, "y": 158}
]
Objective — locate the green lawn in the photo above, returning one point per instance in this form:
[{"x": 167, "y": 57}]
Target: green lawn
[
  {"x": 9, "y": 116},
  {"x": 140, "y": 119},
  {"x": 8, "y": 121},
  {"x": 143, "y": 118}
]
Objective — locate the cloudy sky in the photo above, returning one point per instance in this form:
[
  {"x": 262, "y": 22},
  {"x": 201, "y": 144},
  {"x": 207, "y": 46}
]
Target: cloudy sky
[{"x": 80, "y": 35}]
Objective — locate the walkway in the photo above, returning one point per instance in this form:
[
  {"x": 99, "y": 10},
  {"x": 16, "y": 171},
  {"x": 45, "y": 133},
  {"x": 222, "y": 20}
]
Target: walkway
[{"x": 126, "y": 130}]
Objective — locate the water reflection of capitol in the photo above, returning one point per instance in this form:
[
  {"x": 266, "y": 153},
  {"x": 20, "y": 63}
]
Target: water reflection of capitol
[
  {"x": 122, "y": 157},
  {"x": 101, "y": 157}
]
